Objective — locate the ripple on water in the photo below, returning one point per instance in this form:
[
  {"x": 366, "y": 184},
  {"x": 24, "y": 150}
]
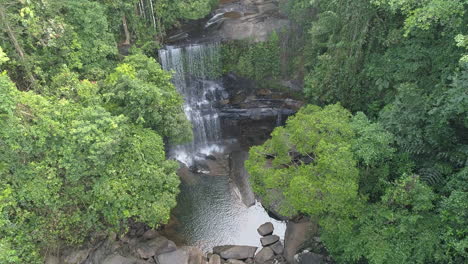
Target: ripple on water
[{"x": 211, "y": 213}]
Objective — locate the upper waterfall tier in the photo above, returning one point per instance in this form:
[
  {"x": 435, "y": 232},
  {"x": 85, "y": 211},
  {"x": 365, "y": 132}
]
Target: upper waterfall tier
[{"x": 196, "y": 70}]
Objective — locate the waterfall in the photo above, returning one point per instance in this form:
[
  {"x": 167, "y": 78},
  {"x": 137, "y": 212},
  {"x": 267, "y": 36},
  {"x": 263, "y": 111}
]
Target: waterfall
[{"x": 195, "y": 68}]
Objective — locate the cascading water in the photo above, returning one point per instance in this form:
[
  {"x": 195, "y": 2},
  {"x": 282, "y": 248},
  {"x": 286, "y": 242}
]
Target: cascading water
[
  {"x": 195, "y": 70},
  {"x": 210, "y": 207}
]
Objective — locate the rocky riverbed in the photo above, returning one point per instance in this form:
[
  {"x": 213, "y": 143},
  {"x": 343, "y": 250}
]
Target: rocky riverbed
[{"x": 146, "y": 246}]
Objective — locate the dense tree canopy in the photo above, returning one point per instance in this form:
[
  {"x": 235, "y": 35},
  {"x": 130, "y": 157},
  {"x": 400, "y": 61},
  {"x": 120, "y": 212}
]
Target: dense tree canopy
[
  {"x": 378, "y": 157},
  {"x": 314, "y": 164},
  {"x": 403, "y": 63},
  {"x": 310, "y": 157},
  {"x": 82, "y": 131},
  {"x": 89, "y": 169},
  {"x": 142, "y": 91}
]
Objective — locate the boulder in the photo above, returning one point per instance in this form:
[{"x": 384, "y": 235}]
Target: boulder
[
  {"x": 264, "y": 255},
  {"x": 178, "y": 256},
  {"x": 296, "y": 235},
  {"x": 153, "y": 247},
  {"x": 117, "y": 259},
  {"x": 196, "y": 256},
  {"x": 268, "y": 240},
  {"x": 150, "y": 234},
  {"x": 235, "y": 252},
  {"x": 278, "y": 248},
  {"x": 184, "y": 255},
  {"x": 77, "y": 256},
  {"x": 215, "y": 259},
  {"x": 266, "y": 229},
  {"x": 235, "y": 261}
]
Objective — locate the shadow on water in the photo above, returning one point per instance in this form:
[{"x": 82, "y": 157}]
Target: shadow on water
[{"x": 210, "y": 212}]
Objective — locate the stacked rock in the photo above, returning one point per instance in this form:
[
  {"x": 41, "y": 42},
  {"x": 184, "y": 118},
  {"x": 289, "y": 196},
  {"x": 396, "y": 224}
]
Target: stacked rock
[
  {"x": 232, "y": 254},
  {"x": 272, "y": 246}
]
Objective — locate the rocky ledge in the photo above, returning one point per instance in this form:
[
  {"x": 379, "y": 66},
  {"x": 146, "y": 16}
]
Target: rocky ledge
[
  {"x": 147, "y": 246},
  {"x": 234, "y": 20}
]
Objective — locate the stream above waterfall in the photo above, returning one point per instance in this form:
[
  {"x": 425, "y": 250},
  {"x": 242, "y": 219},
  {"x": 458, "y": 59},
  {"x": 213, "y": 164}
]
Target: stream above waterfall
[{"x": 216, "y": 205}]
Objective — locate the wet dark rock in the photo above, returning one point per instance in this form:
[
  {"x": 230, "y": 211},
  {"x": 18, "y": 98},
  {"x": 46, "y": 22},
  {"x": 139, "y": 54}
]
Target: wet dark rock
[
  {"x": 253, "y": 113},
  {"x": 266, "y": 229},
  {"x": 150, "y": 234},
  {"x": 137, "y": 229},
  {"x": 200, "y": 167},
  {"x": 211, "y": 157},
  {"x": 264, "y": 255},
  {"x": 177, "y": 37},
  {"x": 268, "y": 240},
  {"x": 235, "y": 252},
  {"x": 278, "y": 248}
]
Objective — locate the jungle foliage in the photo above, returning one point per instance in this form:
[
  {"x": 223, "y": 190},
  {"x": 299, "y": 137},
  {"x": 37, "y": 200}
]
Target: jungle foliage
[
  {"x": 378, "y": 158},
  {"x": 257, "y": 61},
  {"x": 82, "y": 129},
  {"x": 386, "y": 178}
]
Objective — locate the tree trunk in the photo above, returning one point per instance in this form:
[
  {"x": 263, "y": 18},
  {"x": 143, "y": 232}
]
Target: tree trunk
[
  {"x": 19, "y": 50},
  {"x": 127, "y": 33}
]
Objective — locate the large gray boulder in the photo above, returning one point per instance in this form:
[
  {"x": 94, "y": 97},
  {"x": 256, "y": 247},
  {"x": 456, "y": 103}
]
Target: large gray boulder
[
  {"x": 264, "y": 255},
  {"x": 235, "y": 252},
  {"x": 296, "y": 235},
  {"x": 117, "y": 259},
  {"x": 278, "y": 248},
  {"x": 266, "y": 229},
  {"x": 183, "y": 255},
  {"x": 268, "y": 240}
]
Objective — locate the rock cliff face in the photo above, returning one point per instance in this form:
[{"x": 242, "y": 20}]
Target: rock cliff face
[
  {"x": 234, "y": 20},
  {"x": 253, "y": 19}
]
